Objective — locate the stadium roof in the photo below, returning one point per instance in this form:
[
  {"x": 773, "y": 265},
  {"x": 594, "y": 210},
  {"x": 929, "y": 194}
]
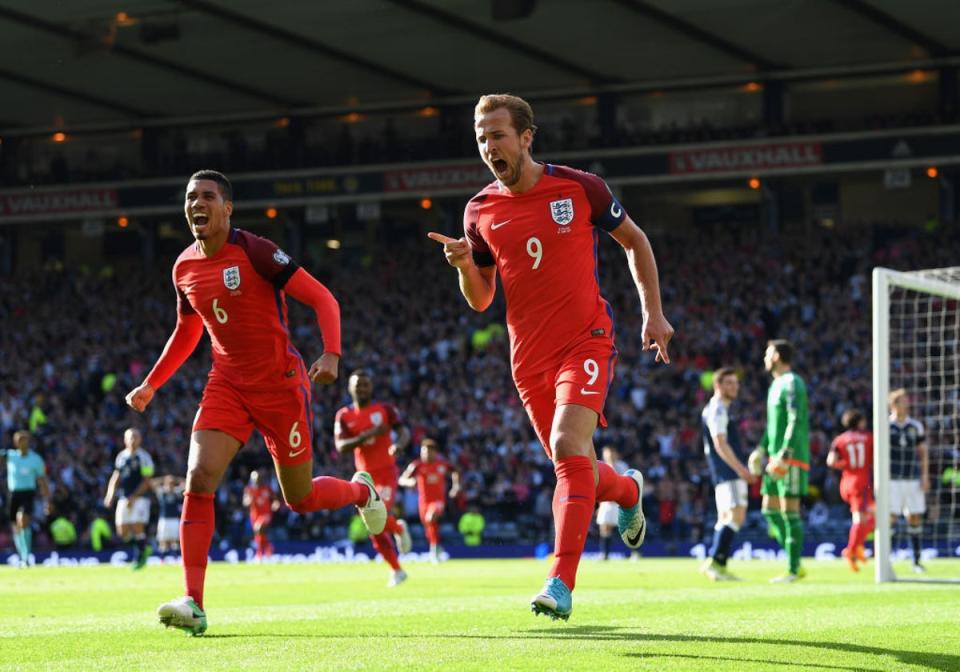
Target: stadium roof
[{"x": 64, "y": 64}]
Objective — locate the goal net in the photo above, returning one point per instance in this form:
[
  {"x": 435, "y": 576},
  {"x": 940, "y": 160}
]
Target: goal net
[{"x": 916, "y": 348}]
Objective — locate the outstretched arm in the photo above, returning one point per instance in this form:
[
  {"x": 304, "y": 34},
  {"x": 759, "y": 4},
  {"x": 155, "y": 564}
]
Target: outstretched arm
[
  {"x": 657, "y": 332},
  {"x": 406, "y": 479},
  {"x": 306, "y": 289},
  {"x": 181, "y": 344},
  {"x": 477, "y": 284}
]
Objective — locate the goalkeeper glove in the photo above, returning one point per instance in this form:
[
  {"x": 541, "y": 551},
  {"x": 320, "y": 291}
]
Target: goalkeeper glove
[
  {"x": 755, "y": 461},
  {"x": 777, "y": 468}
]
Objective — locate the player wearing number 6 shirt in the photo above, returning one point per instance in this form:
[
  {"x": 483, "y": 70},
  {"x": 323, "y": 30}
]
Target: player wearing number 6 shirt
[
  {"x": 852, "y": 452},
  {"x": 234, "y": 285},
  {"x": 538, "y": 226}
]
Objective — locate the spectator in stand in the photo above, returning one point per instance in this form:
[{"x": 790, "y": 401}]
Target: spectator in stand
[{"x": 422, "y": 353}]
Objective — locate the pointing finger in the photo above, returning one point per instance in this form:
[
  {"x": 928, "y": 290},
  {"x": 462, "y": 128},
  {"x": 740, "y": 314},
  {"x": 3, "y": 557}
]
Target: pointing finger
[{"x": 440, "y": 238}]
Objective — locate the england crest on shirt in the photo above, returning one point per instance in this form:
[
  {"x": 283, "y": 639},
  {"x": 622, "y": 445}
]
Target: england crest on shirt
[
  {"x": 231, "y": 277},
  {"x": 376, "y": 418},
  {"x": 562, "y": 211}
]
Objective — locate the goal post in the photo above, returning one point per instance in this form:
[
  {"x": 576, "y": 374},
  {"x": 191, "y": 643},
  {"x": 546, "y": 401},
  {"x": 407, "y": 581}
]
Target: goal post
[{"x": 916, "y": 346}]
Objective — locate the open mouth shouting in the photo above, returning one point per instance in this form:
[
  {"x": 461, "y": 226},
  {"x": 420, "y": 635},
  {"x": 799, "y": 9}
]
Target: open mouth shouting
[{"x": 199, "y": 221}]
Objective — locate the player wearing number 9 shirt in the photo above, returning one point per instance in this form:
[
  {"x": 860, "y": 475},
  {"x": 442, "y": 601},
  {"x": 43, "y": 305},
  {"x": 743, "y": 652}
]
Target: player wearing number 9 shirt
[
  {"x": 234, "y": 284},
  {"x": 538, "y": 226}
]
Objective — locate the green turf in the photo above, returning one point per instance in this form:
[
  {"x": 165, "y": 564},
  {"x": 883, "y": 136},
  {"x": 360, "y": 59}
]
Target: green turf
[{"x": 473, "y": 615}]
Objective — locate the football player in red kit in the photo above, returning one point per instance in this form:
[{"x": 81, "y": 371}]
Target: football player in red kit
[
  {"x": 260, "y": 498},
  {"x": 429, "y": 476},
  {"x": 234, "y": 285},
  {"x": 852, "y": 452},
  {"x": 364, "y": 427},
  {"x": 537, "y": 226}
]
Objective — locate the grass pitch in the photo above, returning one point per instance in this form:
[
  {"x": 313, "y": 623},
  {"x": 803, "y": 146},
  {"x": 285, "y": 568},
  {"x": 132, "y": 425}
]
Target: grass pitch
[{"x": 473, "y": 615}]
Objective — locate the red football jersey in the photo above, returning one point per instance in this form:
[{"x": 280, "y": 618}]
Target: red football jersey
[
  {"x": 261, "y": 500},
  {"x": 238, "y": 293},
  {"x": 374, "y": 453},
  {"x": 856, "y": 449},
  {"x": 544, "y": 245},
  {"x": 432, "y": 479}
]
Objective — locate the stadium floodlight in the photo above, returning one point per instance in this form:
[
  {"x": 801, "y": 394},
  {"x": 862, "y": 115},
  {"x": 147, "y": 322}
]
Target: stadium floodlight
[{"x": 916, "y": 346}]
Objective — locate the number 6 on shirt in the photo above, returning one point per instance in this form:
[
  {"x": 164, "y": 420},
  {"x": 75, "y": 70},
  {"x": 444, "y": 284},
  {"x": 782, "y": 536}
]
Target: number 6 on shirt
[
  {"x": 220, "y": 313},
  {"x": 535, "y": 250}
]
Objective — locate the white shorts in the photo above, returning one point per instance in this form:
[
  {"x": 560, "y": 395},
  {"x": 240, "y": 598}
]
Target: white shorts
[
  {"x": 138, "y": 514},
  {"x": 168, "y": 529},
  {"x": 607, "y": 513},
  {"x": 731, "y": 494},
  {"x": 906, "y": 497}
]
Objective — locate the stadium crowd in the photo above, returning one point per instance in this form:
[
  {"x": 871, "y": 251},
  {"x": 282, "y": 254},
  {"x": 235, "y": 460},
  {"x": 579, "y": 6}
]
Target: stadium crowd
[{"x": 75, "y": 342}]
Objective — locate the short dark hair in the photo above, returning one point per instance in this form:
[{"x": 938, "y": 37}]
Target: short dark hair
[
  {"x": 521, "y": 114},
  {"x": 722, "y": 373},
  {"x": 851, "y": 418},
  {"x": 429, "y": 443},
  {"x": 783, "y": 348},
  {"x": 226, "y": 189}
]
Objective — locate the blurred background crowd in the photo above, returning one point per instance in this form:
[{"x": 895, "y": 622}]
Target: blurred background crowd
[{"x": 79, "y": 339}]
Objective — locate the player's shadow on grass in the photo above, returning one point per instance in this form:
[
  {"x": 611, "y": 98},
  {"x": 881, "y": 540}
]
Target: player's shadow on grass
[
  {"x": 935, "y": 661},
  {"x": 729, "y": 659}
]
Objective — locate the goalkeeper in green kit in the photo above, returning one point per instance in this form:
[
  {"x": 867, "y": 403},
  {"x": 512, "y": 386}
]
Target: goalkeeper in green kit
[{"x": 787, "y": 443}]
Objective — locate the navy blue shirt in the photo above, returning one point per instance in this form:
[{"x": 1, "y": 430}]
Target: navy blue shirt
[
  {"x": 904, "y": 439},
  {"x": 169, "y": 503},
  {"x": 716, "y": 419},
  {"x": 133, "y": 468}
]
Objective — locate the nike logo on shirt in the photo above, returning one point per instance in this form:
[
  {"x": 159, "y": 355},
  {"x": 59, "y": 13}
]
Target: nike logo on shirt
[
  {"x": 295, "y": 453},
  {"x": 585, "y": 392},
  {"x": 494, "y": 227}
]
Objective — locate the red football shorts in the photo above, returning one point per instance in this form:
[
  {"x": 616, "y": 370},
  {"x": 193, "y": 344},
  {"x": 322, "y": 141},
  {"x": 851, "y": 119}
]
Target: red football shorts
[
  {"x": 431, "y": 511},
  {"x": 857, "y": 493},
  {"x": 260, "y": 519},
  {"x": 582, "y": 377},
  {"x": 283, "y": 416},
  {"x": 385, "y": 479}
]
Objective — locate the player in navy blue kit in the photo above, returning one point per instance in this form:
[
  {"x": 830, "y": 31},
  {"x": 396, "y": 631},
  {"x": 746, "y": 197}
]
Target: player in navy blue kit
[
  {"x": 909, "y": 471},
  {"x": 724, "y": 451},
  {"x": 131, "y": 481},
  {"x": 169, "y": 492}
]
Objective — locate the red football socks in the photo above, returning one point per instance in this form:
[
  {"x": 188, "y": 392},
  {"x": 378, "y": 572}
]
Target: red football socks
[
  {"x": 613, "y": 487},
  {"x": 196, "y": 531},
  {"x": 573, "y": 502},
  {"x": 866, "y": 527},
  {"x": 392, "y": 526},
  {"x": 384, "y": 545},
  {"x": 853, "y": 538},
  {"x": 432, "y": 532},
  {"x": 332, "y": 493}
]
